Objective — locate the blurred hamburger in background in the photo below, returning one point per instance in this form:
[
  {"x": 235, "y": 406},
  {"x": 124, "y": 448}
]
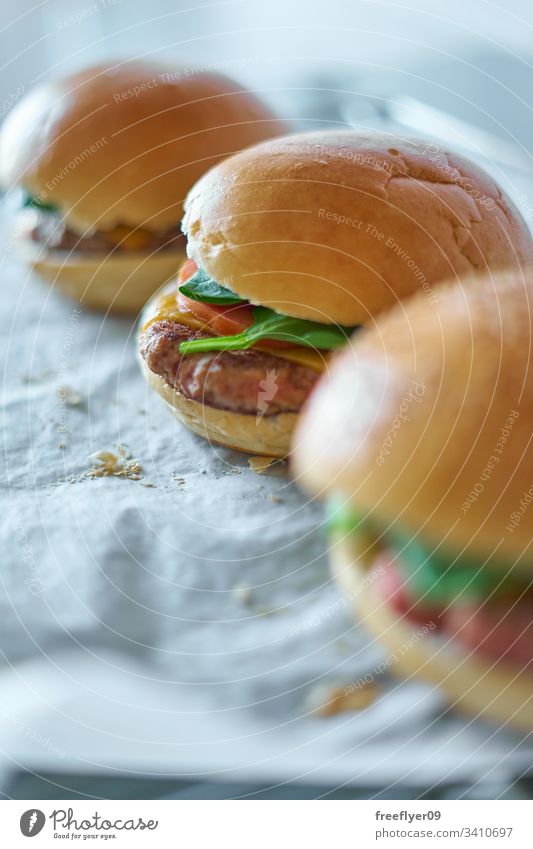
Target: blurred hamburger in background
[
  {"x": 105, "y": 158},
  {"x": 293, "y": 244},
  {"x": 420, "y": 439}
]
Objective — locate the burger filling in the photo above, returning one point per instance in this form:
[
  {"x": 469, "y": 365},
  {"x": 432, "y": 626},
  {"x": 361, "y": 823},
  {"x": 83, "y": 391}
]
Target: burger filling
[
  {"x": 220, "y": 350},
  {"x": 481, "y": 604},
  {"x": 237, "y": 325},
  {"x": 43, "y": 223}
]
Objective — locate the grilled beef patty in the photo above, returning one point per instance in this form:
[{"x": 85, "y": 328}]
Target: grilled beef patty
[
  {"x": 49, "y": 229},
  {"x": 250, "y": 381}
]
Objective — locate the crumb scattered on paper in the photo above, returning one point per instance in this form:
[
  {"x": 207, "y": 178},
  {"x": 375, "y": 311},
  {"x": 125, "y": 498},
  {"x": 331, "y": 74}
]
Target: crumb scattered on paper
[
  {"x": 73, "y": 478},
  {"x": 274, "y": 498},
  {"x": 180, "y": 480},
  {"x": 243, "y": 594},
  {"x": 69, "y": 397},
  {"x": 259, "y": 465},
  {"x": 120, "y": 465},
  {"x": 149, "y": 484},
  {"x": 37, "y": 377},
  {"x": 262, "y": 610},
  {"x": 330, "y": 700}
]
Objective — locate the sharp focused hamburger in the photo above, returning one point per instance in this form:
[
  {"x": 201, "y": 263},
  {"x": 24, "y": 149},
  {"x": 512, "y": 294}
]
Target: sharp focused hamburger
[
  {"x": 105, "y": 158},
  {"x": 421, "y": 439},
  {"x": 295, "y": 242}
]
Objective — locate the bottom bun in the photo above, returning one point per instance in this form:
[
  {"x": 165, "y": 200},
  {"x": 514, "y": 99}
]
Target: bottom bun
[
  {"x": 121, "y": 283},
  {"x": 473, "y": 684},
  {"x": 269, "y": 436}
]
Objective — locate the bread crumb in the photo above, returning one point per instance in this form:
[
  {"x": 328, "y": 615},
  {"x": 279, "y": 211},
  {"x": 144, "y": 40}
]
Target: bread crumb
[
  {"x": 274, "y": 498},
  {"x": 39, "y": 377},
  {"x": 181, "y": 481},
  {"x": 61, "y": 445},
  {"x": 262, "y": 610},
  {"x": 69, "y": 397},
  {"x": 107, "y": 464},
  {"x": 242, "y": 593},
  {"x": 331, "y": 700},
  {"x": 149, "y": 484},
  {"x": 259, "y": 465}
]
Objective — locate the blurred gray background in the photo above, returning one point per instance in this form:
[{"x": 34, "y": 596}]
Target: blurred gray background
[{"x": 469, "y": 57}]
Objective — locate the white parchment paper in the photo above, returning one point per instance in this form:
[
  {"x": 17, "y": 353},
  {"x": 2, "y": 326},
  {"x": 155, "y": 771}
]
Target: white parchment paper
[{"x": 178, "y": 624}]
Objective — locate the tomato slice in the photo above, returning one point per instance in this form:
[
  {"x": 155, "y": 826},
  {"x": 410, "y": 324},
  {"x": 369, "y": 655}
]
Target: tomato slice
[
  {"x": 392, "y": 589},
  {"x": 499, "y": 631},
  {"x": 219, "y": 320},
  {"x": 187, "y": 270}
]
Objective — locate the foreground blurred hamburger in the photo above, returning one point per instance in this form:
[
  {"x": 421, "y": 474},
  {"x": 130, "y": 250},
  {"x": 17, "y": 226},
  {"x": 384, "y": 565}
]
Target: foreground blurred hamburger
[
  {"x": 421, "y": 439},
  {"x": 293, "y": 244},
  {"x": 105, "y": 158}
]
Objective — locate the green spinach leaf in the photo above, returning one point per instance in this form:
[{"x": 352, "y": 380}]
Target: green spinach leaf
[
  {"x": 202, "y": 287},
  {"x": 36, "y": 203},
  {"x": 268, "y": 324}
]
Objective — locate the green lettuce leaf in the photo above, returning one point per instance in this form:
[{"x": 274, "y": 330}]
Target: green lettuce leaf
[
  {"x": 202, "y": 287},
  {"x": 268, "y": 324}
]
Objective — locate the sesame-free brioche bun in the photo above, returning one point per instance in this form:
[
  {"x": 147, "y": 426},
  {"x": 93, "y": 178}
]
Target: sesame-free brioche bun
[
  {"x": 269, "y": 436},
  {"x": 336, "y": 226},
  {"x": 472, "y": 683},
  {"x": 123, "y": 143},
  {"x": 426, "y": 419}
]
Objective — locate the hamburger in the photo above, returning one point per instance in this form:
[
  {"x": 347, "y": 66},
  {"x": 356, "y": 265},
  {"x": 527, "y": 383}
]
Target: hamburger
[
  {"x": 294, "y": 243},
  {"x": 421, "y": 442},
  {"x": 105, "y": 157}
]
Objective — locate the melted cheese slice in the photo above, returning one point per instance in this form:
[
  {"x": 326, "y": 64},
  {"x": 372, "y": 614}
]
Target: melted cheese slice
[
  {"x": 129, "y": 238},
  {"x": 166, "y": 308}
]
